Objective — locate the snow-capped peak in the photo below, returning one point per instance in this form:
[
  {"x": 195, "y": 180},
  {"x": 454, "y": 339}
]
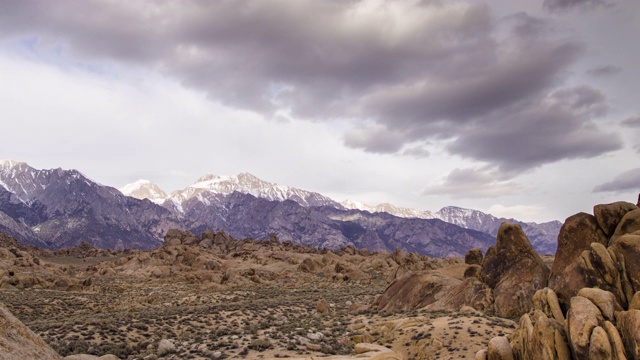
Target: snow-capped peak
[
  {"x": 249, "y": 184},
  {"x": 390, "y": 209},
  {"x": 144, "y": 189},
  {"x": 9, "y": 163}
]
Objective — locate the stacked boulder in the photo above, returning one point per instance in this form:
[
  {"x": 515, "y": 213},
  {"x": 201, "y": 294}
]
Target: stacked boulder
[
  {"x": 591, "y": 307},
  {"x": 503, "y": 281}
]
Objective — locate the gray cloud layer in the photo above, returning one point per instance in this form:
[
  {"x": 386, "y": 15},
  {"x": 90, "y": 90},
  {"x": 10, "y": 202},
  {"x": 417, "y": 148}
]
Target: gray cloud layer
[
  {"x": 564, "y": 5},
  {"x": 404, "y": 72},
  {"x": 628, "y": 180},
  {"x": 602, "y": 71}
]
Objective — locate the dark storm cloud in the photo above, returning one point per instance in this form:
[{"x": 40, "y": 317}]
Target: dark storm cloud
[
  {"x": 403, "y": 72},
  {"x": 604, "y": 71},
  {"x": 565, "y": 5},
  {"x": 628, "y": 180},
  {"x": 553, "y": 128}
]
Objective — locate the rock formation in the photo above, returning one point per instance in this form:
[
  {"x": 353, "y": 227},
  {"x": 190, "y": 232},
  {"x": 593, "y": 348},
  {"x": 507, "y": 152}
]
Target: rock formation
[
  {"x": 503, "y": 282},
  {"x": 514, "y": 271},
  {"x": 18, "y": 342},
  {"x": 591, "y": 308}
]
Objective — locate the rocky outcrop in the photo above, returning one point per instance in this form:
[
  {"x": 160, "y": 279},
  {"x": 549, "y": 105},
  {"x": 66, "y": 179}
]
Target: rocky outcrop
[
  {"x": 473, "y": 257},
  {"x": 509, "y": 275},
  {"x": 608, "y": 216},
  {"x": 414, "y": 291},
  {"x": 18, "y": 342},
  {"x": 576, "y": 235},
  {"x": 514, "y": 271},
  {"x": 629, "y": 323},
  {"x": 595, "y": 286},
  {"x": 629, "y": 224}
]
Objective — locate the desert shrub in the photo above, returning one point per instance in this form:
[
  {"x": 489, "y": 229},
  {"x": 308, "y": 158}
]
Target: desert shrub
[
  {"x": 260, "y": 344},
  {"x": 72, "y": 347}
]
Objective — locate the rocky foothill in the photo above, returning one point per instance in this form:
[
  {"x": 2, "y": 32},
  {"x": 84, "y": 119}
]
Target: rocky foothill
[{"x": 211, "y": 296}]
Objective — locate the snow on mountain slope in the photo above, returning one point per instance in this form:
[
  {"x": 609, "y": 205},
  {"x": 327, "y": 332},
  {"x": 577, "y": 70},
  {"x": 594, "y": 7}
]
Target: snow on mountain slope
[
  {"x": 542, "y": 236},
  {"x": 145, "y": 189},
  {"x": 247, "y": 184},
  {"x": 389, "y": 209}
]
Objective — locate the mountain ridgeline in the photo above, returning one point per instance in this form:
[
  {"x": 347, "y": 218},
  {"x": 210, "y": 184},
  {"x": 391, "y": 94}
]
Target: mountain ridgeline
[{"x": 61, "y": 208}]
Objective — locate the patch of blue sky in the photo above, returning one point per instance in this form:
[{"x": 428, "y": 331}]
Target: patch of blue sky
[{"x": 35, "y": 49}]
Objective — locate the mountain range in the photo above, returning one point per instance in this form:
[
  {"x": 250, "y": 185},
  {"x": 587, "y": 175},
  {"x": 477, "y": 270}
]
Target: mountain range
[{"x": 59, "y": 208}]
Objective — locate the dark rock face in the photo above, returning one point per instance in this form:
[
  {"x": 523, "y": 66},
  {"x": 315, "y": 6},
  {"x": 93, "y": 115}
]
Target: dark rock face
[
  {"x": 576, "y": 235},
  {"x": 473, "y": 257},
  {"x": 514, "y": 271},
  {"x": 608, "y": 216}
]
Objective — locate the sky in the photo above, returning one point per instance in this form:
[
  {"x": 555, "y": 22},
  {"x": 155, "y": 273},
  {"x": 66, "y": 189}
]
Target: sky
[{"x": 523, "y": 109}]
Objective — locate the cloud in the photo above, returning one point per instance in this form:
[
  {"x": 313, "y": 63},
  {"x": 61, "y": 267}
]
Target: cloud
[
  {"x": 628, "y": 180},
  {"x": 566, "y": 5},
  {"x": 517, "y": 211},
  {"x": 633, "y": 121},
  {"x": 473, "y": 183},
  {"x": 553, "y": 128},
  {"x": 402, "y": 72},
  {"x": 604, "y": 71},
  {"x": 418, "y": 152}
]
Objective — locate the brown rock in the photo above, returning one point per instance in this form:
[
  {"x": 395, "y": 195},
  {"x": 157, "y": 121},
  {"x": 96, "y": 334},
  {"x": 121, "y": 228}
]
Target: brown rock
[
  {"x": 627, "y": 251},
  {"x": 604, "y": 300},
  {"x": 635, "y": 302},
  {"x": 514, "y": 270},
  {"x": 630, "y": 223},
  {"x": 544, "y": 337},
  {"x": 473, "y": 257},
  {"x": 593, "y": 268},
  {"x": 546, "y": 301},
  {"x": 576, "y": 234},
  {"x": 499, "y": 349},
  {"x": 471, "y": 292},
  {"x": 582, "y": 318},
  {"x": 599, "y": 346},
  {"x": 18, "y": 342},
  {"x": 473, "y": 271},
  {"x": 608, "y": 216},
  {"x": 617, "y": 347},
  {"x": 322, "y": 307},
  {"x": 629, "y": 324},
  {"x": 309, "y": 265},
  {"x": 414, "y": 291}
]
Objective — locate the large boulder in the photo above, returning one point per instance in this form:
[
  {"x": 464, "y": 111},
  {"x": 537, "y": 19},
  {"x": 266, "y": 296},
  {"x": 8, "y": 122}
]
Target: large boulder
[
  {"x": 414, "y": 291},
  {"x": 576, "y": 235},
  {"x": 582, "y": 318},
  {"x": 626, "y": 249},
  {"x": 18, "y": 342},
  {"x": 608, "y": 216},
  {"x": 473, "y": 257},
  {"x": 595, "y": 267},
  {"x": 629, "y": 324},
  {"x": 514, "y": 270},
  {"x": 471, "y": 292},
  {"x": 499, "y": 349},
  {"x": 604, "y": 300},
  {"x": 629, "y": 224}
]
